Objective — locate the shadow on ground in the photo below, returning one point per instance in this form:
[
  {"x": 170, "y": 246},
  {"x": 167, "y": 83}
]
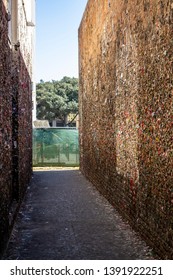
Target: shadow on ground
[{"x": 64, "y": 217}]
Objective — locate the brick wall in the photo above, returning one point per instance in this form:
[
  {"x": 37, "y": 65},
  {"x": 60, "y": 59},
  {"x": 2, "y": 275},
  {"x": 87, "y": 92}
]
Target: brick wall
[
  {"x": 126, "y": 98},
  {"x": 25, "y": 126},
  {"x": 22, "y": 125},
  {"x": 15, "y": 129},
  {"x": 5, "y": 127}
]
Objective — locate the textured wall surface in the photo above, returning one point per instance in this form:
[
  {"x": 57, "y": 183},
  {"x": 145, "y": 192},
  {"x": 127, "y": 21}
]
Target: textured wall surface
[
  {"x": 22, "y": 125},
  {"x": 126, "y": 105},
  {"x": 25, "y": 126},
  {"x": 5, "y": 127},
  {"x": 15, "y": 128}
]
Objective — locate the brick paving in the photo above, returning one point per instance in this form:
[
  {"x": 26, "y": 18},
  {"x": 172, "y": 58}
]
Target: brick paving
[{"x": 64, "y": 217}]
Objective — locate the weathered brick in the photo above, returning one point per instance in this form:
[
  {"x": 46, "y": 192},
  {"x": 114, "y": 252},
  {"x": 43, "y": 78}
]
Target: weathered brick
[
  {"x": 15, "y": 128},
  {"x": 126, "y": 96},
  {"x": 5, "y": 127}
]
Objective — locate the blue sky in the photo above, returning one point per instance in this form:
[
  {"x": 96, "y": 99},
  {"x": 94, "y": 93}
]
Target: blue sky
[{"x": 57, "y": 23}]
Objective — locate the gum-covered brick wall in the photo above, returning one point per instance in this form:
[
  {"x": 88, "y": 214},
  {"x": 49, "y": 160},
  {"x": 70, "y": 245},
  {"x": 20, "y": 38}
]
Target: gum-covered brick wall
[
  {"x": 5, "y": 127},
  {"x": 15, "y": 129},
  {"x": 22, "y": 125},
  {"x": 126, "y": 120},
  {"x": 25, "y": 127}
]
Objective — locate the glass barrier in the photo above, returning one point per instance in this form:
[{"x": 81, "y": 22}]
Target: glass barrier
[{"x": 55, "y": 147}]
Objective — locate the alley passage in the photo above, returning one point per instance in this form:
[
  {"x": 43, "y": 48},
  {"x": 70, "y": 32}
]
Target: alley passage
[{"x": 64, "y": 217}]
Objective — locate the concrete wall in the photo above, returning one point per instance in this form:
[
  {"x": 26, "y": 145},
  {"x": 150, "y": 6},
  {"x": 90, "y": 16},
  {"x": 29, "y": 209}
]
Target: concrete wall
[
  {"x": 126, "y": 98},
  {"x": 15, "y": 112}
]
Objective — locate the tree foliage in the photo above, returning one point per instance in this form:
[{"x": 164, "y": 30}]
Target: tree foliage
[{"x": 57, "y": 99}]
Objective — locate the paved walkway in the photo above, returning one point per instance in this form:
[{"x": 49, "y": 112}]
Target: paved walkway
[{"x": 64, "y": 217}]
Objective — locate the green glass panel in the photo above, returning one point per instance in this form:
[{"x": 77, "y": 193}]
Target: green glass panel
[{"x": 55, "y": 147}]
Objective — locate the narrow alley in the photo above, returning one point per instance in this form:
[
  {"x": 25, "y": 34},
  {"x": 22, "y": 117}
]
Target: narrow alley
[
  {"x": 64, "y": 217},
  {"x": 113, "y": 120}
]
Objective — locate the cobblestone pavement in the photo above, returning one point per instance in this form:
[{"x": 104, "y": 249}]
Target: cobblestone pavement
[{"x": 64, "y": 217}]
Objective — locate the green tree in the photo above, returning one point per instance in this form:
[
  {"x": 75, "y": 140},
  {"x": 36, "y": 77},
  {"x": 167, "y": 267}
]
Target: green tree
[{"x": 57, "y": 99}]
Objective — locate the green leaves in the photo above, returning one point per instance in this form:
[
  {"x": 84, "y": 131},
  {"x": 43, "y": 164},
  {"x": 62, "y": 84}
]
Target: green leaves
[{"x": 57, "y": 99}]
